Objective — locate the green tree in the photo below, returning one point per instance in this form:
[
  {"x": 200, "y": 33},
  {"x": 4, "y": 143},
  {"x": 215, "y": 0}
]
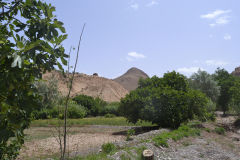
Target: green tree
[
  {"x": 30, "y": 44},
  {"x": 166, "y": 101},
  {"x": 225, "y": 81},
  {"x": 48, "y": 90},
  {"x": 205, "y": 83},
  {"x": 235, "y": 92}
]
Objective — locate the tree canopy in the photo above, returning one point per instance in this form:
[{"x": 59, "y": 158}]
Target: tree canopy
[
  {"x": 30, "y": 44},
  {"x": 166, "y": 101},
  {"x": 205, "y": 83}
]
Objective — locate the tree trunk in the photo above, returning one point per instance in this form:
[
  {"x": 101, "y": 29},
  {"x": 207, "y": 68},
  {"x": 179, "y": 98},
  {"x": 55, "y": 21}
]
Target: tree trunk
[{"x": 148, "y": 155}]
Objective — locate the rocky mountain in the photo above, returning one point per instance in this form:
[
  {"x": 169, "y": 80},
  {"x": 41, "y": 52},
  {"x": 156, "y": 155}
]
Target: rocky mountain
[
  {"x": 91, "y": 85},
  {"x": 129, "y": 80},
  {"x": 236, "y": 72}
]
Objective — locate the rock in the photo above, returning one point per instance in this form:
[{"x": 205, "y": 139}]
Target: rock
[{"x": 236, "y": 72}]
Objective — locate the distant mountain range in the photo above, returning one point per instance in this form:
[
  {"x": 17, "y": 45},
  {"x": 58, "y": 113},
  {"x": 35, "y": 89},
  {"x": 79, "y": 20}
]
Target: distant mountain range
[{"x": 95, "y": 86}]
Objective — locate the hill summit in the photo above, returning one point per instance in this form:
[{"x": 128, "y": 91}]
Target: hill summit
[{"x": 129, "y": 80}]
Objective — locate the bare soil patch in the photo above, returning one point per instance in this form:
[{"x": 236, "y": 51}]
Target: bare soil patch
[{"x": 40, "y": 142}]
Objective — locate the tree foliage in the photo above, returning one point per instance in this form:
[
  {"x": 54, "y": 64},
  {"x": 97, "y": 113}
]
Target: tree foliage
[
  {"x": 49, "y": 93},
  {"x": 235, "y": 92},
  {"x": 205, "y": 83},
  {"x": 225, "y": 81},
  {"x": 93, "y": 105},
  {"x": 30, "y": 44},
  {"x": 166, "y": 101}
]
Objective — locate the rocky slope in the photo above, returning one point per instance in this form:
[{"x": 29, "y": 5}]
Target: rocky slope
[
  {"x": 236, "y": 72},
  {"x": 94, "y": 86},
  {"x": 130, "y": 79}
]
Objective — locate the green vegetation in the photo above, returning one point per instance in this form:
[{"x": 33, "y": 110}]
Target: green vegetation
[
  {"x": 166, "y": 101},
  {"x": 220, "y": 130},
  {"x": 108, "y": 148},
  {"x": 93, "y": 105},
  {"x": 225, "y": 81},
  {"x": 181, "y": 132},
  {"x": 74, "y": 111},
  {"x": 49, "y": 94},
  {"x": 30, "y": 44},
  {"x": 235, "y": 92},
  {"x": 205, "y": 83},
  {"x": 116, "y": 121},
  {"x": 130, "y": 133}
]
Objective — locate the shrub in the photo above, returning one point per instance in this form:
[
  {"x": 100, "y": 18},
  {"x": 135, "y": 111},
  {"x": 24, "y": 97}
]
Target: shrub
[
  {"x": 42, "y": 114},
  {"x": 76, "y": 111},
  {"x": 108, "y": 148},
  {"x": 110, "y": 108},
  {"x": 94, "y": 106},
  {"x": 130, "y": 133},
  {"x": 108, "y": 115},
  {"x": 166, "y": 101},
  {"x": 220, "y": 130}
]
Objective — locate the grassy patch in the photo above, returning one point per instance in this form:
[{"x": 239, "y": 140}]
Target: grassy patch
[
  {"x": 101, "y": 156},
  {"x": 115, "y": 121},
  {"x": 220, "y": 130},
  {"x": 181, "y": 132}
]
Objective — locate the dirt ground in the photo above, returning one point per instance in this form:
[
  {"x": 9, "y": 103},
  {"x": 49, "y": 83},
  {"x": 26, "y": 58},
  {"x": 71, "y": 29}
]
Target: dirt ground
[{"x": 42, "y": 142}]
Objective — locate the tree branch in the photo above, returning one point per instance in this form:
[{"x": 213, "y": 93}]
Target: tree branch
[{"x": 68, "y": 96}]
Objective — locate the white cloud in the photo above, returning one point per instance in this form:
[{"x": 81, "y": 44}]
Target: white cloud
[
  {"x": 227, "y": 37},
  {"x": 217, "y": 63},
  {"x": 223, "y": 20},
  {"x": 152, "y": 3},
  {"x": 134, "y": 6},
  {"x": 215, "y": 14},
  {"x": 218, "y": 17},
  {"x": 189, "y": 70},
  {"x": 134, "y": 56}
]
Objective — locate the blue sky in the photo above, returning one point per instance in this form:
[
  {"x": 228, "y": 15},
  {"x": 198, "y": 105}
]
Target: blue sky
[{"x": 154, "y": 35}]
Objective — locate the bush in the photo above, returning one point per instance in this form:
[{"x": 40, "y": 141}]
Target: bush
[
  {"x": 108, "y": 148},
  {"x": 110, "y": 108},
  {"x": 166, "y": 101},
  {"x": 94, "y": 106},
  {"x": 130, "y": 133},
  {"x": 108, "y": 115},
  {"x": 74, "y": 111}
]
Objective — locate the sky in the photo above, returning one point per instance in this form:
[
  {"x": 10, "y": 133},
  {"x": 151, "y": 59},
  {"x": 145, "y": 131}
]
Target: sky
[{"x": 155, "y": 36}]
